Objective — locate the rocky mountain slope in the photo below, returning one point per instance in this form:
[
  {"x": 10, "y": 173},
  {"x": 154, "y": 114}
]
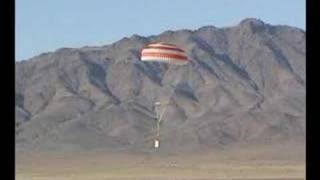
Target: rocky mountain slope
[{"x": 244, "y": 85}]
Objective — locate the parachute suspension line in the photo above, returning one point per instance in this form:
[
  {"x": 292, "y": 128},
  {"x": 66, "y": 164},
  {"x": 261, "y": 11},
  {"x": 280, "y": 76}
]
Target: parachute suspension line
[
  {"x": 161, "y": 108},
  {"x": 160, "y": 112},
  {"x": 165, "y": 53},
  {"x": 161, "y": 115},
  {"x": 158, "y": 129},
  {"x": 156, "y": 141},
  {"x": 158, "y": 122}
]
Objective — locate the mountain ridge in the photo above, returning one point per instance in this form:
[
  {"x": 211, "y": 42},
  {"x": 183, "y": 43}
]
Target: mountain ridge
[
  {"x": 137, "y": 36},
  {"x": 245, "y": 84}
]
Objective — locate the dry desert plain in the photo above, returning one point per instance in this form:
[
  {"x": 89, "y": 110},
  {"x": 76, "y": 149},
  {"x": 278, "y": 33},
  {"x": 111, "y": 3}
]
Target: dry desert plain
[{"x": 257, "y": 164}]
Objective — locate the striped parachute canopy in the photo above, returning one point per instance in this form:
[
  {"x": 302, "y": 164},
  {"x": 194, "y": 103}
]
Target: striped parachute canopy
[{"x": 164, "y": 52}]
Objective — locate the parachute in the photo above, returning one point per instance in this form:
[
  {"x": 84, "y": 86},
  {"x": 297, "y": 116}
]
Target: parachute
[{"x": 163, "y": 53}]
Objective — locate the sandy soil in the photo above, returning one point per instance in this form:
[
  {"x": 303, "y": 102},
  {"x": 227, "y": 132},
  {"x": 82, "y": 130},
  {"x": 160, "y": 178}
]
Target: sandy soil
[{"x": 100, "y": 165}]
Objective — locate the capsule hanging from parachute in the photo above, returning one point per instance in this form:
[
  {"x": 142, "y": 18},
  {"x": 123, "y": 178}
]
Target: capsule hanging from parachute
[{"x": 164, "y": 52}]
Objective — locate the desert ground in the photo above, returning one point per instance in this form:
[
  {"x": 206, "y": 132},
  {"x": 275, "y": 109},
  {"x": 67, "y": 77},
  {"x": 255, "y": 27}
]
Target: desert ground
[{"x": 246, "y": 165}]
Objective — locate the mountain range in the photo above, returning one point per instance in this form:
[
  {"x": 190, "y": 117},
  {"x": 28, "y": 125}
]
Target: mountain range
[{"x": 244, "y": 85}]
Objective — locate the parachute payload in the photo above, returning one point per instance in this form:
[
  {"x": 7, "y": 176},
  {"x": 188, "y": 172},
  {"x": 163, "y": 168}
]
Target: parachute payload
[{"x": 164, "y": 52}]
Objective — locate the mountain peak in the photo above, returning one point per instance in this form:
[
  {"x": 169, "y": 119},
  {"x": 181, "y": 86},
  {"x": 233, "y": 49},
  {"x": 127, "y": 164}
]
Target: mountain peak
[
  {"x": 252, "y": 25},
  {"x": 206, "y": 28},
  {"x": 137, "y": 37},
  {"x": 252, "y": 21}
]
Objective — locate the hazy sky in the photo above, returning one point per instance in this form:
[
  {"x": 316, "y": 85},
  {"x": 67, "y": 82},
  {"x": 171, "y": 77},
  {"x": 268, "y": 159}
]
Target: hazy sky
[{"x": 46, "y": 25}]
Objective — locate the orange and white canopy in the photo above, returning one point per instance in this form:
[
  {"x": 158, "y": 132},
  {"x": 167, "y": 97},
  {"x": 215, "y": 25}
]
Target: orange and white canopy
[{"x": 164, "y": 52}]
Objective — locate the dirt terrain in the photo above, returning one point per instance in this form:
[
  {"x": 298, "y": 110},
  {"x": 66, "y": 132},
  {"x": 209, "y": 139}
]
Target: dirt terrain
[{"x": 243, "y": 165}]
